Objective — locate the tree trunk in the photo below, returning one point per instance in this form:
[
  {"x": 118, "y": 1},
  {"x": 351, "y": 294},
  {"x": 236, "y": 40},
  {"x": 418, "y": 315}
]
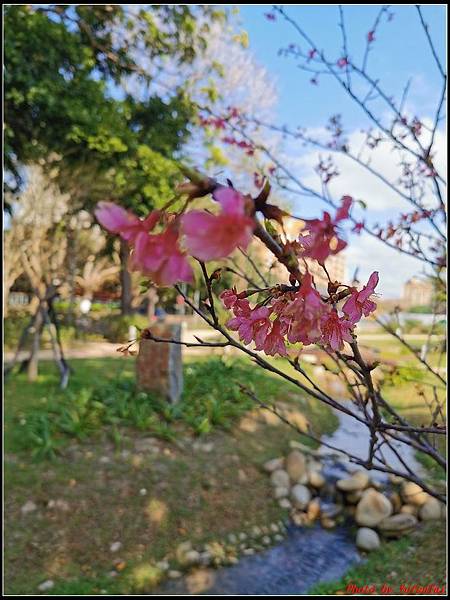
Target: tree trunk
[
  {"x": 126, "y": 295},
  {"x": 51, "y": 320},
  {"x": 71, "y": 259},
  {"x": 33, "y": 362}
]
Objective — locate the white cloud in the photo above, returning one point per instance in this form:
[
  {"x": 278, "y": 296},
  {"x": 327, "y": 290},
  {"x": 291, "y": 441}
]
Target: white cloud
[
  {"x": 365, "y": 252},
  {"x": 368, "y": 254},
  {"x": 357, "y": 181}
]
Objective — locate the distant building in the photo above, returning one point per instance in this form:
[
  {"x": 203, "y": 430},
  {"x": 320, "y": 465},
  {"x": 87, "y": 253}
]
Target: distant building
[
  {"x": 18, "y": 299},
  {"x": 417, "y": 292}
]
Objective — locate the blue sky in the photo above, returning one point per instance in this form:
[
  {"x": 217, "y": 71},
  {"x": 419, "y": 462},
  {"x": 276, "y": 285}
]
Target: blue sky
[
  {"x": 397, "y": 53},
  {"x": 400, "y": 52}
]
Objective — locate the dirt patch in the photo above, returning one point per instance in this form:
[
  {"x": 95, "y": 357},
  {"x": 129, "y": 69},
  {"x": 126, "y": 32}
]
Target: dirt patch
[{"x": 95, "y": 495}]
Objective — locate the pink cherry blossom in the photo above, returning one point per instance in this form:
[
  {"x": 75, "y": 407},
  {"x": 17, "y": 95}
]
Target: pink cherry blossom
[
  {"x": 273, "y": 342},
  {"x": 210, "y": 237},
  {"x": 252, "y": 326},
  {"x": 232, "y": 300},
  {"x": 116, "y": 219},
  {"x": 159, "y": 256},
  {"x": 300, "y": 316},
  {"x": 255, "y": 325},
  {"x": 303, "y": 315},
  {"x": 229, "y": 297},
  {"x": 359, "y": 303},
  {"x": 322, "y": 238},
  {"x": 336, "y": 330}
]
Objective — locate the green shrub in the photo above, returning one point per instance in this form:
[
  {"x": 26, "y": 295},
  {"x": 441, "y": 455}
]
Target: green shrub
[
  {"x": 414, "y": 326},
  {"x": 86, "y": 413},
  {"x": 13, "y": 326},
  {"x": 422, "y": 309},
  {"x": 39, "y": 433},
  {"x": 406, "y": 374},
  {"x": 211, "y": 399},
  {"x": 115, "y": 327},
  {"x": 65, "y": 306},
  {"x": 211, "y": 396}
]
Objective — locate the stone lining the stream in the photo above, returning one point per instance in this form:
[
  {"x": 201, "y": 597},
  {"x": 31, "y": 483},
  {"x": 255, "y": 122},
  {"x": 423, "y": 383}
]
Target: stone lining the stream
[{"x": 332, "y": 510}]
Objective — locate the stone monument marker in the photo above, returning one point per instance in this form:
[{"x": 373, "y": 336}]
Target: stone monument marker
[{"x": 159, "y": 366}]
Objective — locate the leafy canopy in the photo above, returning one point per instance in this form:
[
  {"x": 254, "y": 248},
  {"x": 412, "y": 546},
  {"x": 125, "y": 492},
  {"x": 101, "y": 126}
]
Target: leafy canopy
[{"x": 65, "y": 73}]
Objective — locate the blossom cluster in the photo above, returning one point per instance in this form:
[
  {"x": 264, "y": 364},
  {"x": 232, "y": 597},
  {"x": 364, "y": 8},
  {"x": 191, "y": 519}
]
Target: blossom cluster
[
  {"x": 300, "y": 315},
  {"x": 322, "y": 239},
  {"x": 163, "y": 256},
  {"x": 163, "y": 242}
]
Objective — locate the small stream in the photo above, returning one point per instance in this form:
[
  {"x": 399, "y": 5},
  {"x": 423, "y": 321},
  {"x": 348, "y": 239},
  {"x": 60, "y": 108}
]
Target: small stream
[
  {"x": 351, "y": 435},
  {"x": 308, "y": 555}
]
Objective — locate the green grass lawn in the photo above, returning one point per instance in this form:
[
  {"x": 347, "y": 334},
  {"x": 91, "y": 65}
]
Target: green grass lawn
[
  {"x": 391, "y": 349},
  {"x": 96, "y": 476},
  {"x": 416, "y": 559},
  {"x": 80, "y": 449},
  {"x": 412, "y": 391}
]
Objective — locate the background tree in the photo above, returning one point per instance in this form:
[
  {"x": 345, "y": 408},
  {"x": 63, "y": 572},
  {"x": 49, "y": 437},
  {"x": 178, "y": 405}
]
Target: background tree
[
  {"x": 67, "y": 69},
  {"x": 39, "y": 215},
  {"x": 94, "y": 266},
  {"x": 12, "y": 264},
  {"x": 62, "y": 61}
]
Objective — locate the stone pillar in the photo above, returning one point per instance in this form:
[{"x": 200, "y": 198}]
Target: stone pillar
[{"x": 159, "y": 366}]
